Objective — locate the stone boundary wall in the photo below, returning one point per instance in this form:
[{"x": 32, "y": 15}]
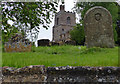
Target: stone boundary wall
[
  {"x": 60, "y": 75},
  {"x": 17, "y": 47}
]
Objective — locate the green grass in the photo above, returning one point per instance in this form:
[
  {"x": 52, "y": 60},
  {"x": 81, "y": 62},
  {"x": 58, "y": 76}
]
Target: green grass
[{"x": 63, "y": 56}]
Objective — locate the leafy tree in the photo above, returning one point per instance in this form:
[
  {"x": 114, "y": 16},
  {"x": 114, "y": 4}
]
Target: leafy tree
[
  {"x": 27, "y": 17},
  {"x": 77, "y": 34},
  {"x": 118, "y": 26},
  {"x": 82, "y": 7}
]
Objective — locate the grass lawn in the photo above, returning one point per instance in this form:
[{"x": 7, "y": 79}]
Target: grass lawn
[{"x": 62, "y": 56}]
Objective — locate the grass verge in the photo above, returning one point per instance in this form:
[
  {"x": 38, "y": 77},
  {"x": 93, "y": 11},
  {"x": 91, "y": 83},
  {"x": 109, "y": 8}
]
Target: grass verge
[{"x": 62, "y": 56}]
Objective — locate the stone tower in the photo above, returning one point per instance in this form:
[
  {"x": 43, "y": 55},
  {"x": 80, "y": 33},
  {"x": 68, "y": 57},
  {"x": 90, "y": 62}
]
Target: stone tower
[{"x": 64, "y": 22}]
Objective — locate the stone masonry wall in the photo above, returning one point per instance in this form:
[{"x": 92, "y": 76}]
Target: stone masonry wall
[
  {"x": 17, "y": 43},
  {"x": 17, "y": 47},
  {"x": 42, "y": 74}
]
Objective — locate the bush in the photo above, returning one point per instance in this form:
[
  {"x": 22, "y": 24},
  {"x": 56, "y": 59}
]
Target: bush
[
  {"x": 115, "y": 33},
  {"x": 77, "y": 34}
]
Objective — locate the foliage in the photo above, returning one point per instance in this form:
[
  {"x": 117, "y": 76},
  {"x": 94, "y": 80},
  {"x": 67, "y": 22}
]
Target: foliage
[
  {"x": 118, "y": 27},
  {"x": 115, "y": 33},
  {"x": 63, "y": 56},
  {"x": 0, "y": 14},
  {"x": 77, "y": 34},
  {"x": 9, "y": 33},
  {"x": 27, "y": 17},
  {"x": 82, "y": 7}
]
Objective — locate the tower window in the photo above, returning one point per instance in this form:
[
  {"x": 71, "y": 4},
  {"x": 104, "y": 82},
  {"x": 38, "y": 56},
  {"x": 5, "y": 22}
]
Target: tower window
[
  {"x": 64, "y": 35},
  {"x": 68, "y": 20},
  {"x": 63, "y": 31},
  {"x": 57, "y": 21},
  {"x": 60, "y": 36}
]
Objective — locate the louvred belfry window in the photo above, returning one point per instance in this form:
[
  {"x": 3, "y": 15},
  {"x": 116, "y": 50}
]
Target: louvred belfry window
[{"x": 68, "y": 20}]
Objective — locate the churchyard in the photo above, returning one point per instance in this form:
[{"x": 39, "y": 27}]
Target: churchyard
[
  {"x": 99, "y": 48},
  {"x": 86, "y": 53}
]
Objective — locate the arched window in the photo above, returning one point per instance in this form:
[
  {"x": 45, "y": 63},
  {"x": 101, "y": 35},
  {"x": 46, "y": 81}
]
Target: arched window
[
  {"x": 63, "y": 31},
  {"x": 57, "y": 21},
  {"x": 68, "y": 20}
]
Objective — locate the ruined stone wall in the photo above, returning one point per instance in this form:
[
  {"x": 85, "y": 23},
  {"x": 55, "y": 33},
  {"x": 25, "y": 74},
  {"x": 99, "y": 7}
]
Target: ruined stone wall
[
  {"x": 62, "y": 74},
  {"x": 17, "y": 47},
  {"x": 17, "y": 43}
]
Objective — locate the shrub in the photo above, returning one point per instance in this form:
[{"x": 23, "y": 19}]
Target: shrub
[{"x": 77, "y": 34}]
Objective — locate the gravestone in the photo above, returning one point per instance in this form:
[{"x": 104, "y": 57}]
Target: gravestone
[
  {"x": 43, "y": 42},
  {"x": 70, "y": 42},
  {"x": 54, "y": 43},
  {"x": 98, "y": 28}
]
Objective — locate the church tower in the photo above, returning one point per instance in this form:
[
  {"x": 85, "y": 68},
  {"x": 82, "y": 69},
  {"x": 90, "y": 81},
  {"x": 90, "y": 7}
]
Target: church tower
[{"x": 64, "y": 22}]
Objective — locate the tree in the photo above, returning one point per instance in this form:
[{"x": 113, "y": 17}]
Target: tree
[
  {"x": 77, "y": 34},
  {"x": 118, "y": 26},
  {"x": 82, "y": 7},
  {"x": 27, "y": 17}
]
